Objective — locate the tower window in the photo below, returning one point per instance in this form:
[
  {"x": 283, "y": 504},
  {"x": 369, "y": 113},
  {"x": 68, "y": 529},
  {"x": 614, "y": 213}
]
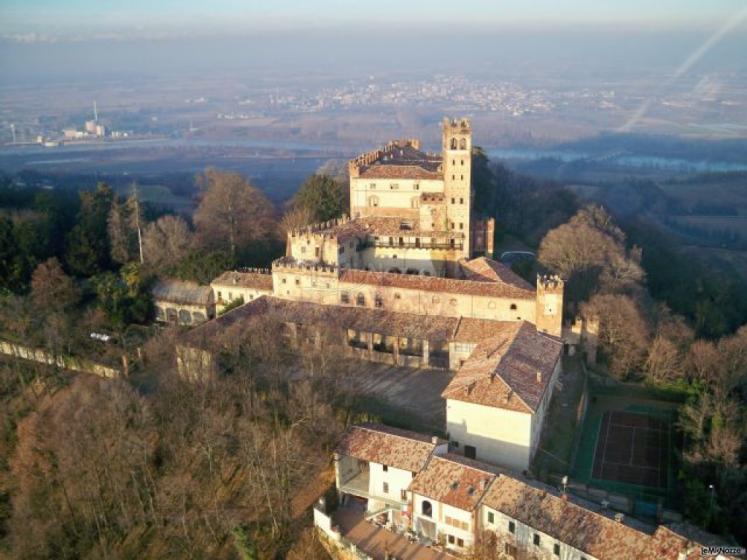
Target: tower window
[
  {"x": 461, "y": 201},
  {"x": 461, "y": 225},
  {"x": 453, "y": 162},
  {"x": 463, "y": 144},
  {"x": 462, "y": 162},
  {"x": 453, "y": 177},
  {"x": 453, "y": 200},
  {"x": 462, "y": 177}
]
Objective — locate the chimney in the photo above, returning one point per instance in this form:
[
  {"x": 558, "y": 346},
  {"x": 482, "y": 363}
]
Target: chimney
[
  {"x": 619, "y": 517},
  {"x": 539, "y": 376},
  {"x": 434, "y": 440}
]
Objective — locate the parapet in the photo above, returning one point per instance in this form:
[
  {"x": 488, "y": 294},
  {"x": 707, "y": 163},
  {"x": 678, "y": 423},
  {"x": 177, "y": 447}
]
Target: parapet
[
  {"x": 461, "y": 125},
  {"x": 289, "y": 264},
  {"x": 321, "y": 228},
  {"x": 550, "y": 283},
  {"x": 369, "y": 158}
]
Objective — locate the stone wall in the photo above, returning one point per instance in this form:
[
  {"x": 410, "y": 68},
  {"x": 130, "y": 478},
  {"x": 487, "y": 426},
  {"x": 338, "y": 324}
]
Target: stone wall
[{"x": 63, "y": 362}]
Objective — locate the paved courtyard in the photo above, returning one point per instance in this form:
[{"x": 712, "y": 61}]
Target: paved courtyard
[{"x": 402, "y": 395}]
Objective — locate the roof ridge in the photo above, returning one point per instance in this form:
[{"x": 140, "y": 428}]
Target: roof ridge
[
  {"x": 447, "y": 458},
  {"x": 370, "y": 429}
]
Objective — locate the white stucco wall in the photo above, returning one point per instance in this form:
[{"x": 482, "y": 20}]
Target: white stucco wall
[
  {"x": 440, "y": 513},
  {"x": 500, "y": 436},
  {"x": 523, "y": 537},
  {"x": 397, "y": 479}
]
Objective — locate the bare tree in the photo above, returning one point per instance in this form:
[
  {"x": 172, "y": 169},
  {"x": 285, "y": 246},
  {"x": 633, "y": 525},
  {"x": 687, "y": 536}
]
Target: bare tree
[
  {"x": 166, "y": 241},
  {"x": 232, "y": 212},
  {"x": 51, "y": 288}
]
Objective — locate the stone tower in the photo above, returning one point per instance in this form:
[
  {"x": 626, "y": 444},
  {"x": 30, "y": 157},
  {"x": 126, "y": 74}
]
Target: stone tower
[
  {"x": 549, "y": 314},
  {"x": 457, "y": 166}
]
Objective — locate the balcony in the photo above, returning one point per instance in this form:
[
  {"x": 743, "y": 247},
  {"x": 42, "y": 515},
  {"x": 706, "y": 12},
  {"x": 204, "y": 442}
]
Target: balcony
[{"x": 359, "y": 486}]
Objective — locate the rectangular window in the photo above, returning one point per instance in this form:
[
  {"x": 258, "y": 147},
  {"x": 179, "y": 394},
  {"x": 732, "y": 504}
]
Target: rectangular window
[
  {"x": 461, "y": 225},
  {"x": 536, "y": 539},
  {"x": 344, "y": 297},
  {"x": 403, "y": 495},
  {"x": 298, "y": 282},
  {"x": 510, "y": 550},
  {"x": 511, "y": 527},
  {"x": 460, "y": 542},
  {"x": 451, "y": 539},
  {"x": 556, "y": 549},
  {"x": 386, "y": 488},
  {"x": 385, "y": 467},
  {"x": 461, "y": 201},
  {"x": 220, "y": 296},
  {"x": 491, "y": 517},
  {"x": 416, "y": 187},
  {"x": 453, "y": 200}
]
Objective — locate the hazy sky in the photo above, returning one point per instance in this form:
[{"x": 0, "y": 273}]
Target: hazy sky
[{"x": 68, "y": 17}]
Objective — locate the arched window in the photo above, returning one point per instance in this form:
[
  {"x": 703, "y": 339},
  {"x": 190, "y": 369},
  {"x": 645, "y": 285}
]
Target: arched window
[
  {"x": 185, "y": 317},
  {"x": 198, "y": 317},
  {"x": 463, "y": 144},
  {"x": 453, "y": 143},
  {"x": 426, "y": 508},
  {"x": 373, "y": 201},
  {"x": 513, "y": 307},
  {"x": 360, "y": 299}
]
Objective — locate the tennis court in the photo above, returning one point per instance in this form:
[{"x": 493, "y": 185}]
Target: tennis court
[{"x": 633, "y": 448}]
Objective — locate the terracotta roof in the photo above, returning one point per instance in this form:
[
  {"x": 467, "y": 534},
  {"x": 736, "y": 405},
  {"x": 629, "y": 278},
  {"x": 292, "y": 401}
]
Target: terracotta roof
[
  {"x": 483, "y": 269},
  {"x": 384, "y": 171},
  {"x": 393, "y": 447},
  {"x": 433, "y": 328},
  {"x": 180, "y": 292},
  {"x": 585, "y": 525},
  {"x": 256, "y": 280},
  {"x": 454, "y": 480},
  {"x": 403, "y": 161},
  {"x": 502, "y": 371},
  {"x": 435, "y": 284}
]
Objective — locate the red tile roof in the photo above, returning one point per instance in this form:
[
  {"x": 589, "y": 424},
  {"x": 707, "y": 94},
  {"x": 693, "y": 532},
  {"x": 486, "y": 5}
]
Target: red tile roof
[
  {"x": 244, "y": 279},
  {"x": 436, "y": 284},
  {"x": 587, "y": 527},
  {"x": 510, "y": 370},
  {"x": 454, "y": 480},
  {"x": 483, "y": 269},
  {"x": 401, "y": 449}
]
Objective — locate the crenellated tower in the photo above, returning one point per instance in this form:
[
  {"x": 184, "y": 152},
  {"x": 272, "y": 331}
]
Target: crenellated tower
[
  {"x": 457, "y": 169},
  {"x": 549, "y": 312}
]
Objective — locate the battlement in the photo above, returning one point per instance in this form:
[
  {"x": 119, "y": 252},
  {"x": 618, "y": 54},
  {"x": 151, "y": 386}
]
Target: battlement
[
  {"x": 550, "y": 283},
  {"x": 462, "y": 125},
  {"x": 384, "y": 154},
  {"x": 254, "y": 270},
  {"x": 289, "y": 264},
  {"x": 321, "y": 228}
]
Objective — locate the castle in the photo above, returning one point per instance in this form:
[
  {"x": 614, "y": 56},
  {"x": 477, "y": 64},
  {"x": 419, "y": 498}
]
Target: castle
[
  {"x": 407, "y": 280},
  {"x": 402, "y": 282}
]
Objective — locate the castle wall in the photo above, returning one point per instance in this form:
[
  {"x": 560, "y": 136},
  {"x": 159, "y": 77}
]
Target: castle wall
[
  {"x": 314, "y": 284},
  {"x": 421, "y": 302},
  {"x": 400, "y": 194}
]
